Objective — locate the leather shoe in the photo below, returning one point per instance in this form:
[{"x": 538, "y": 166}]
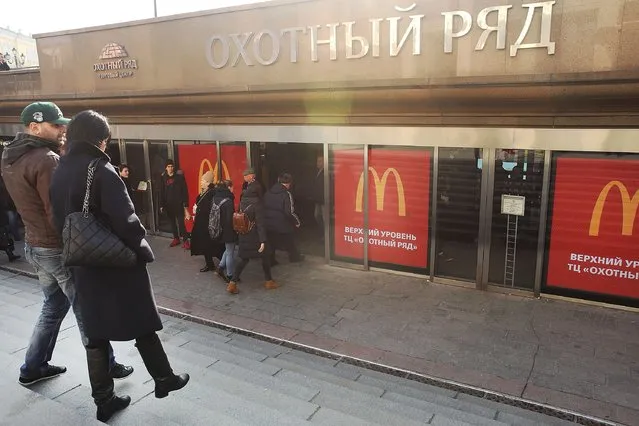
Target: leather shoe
[
  {"x": 120, "y": 371},
  {"x": 108, "y": 409},
  {"x": 169, "y": 384},
  {"x": 205, "y": 269}
]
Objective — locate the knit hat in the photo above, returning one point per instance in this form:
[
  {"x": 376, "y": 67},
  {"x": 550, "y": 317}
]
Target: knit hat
[{"x": 208, "y": 177}]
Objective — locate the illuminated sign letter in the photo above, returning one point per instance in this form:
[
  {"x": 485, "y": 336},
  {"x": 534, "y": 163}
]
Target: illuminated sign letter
[
  {"x": 380, "y": 189},
  {"x": 629, "y": 207}
]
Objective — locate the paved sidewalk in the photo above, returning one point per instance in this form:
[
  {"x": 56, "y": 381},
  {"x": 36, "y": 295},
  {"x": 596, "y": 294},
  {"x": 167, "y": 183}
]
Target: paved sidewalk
[
  {"x": 236, "y": 380},
  {"x": 570, "y": 355}
]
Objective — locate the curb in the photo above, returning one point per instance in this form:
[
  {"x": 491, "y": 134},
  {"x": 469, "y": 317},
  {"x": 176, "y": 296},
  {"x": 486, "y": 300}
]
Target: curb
[
  {"x": 486, "y": 394},
  {"x": 19, "y": 271},
  {"x": 489, "y": 395}
]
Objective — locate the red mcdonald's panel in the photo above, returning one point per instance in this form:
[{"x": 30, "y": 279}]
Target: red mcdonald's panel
[
  {"x": 594, "y": 240},
  {"x": 399, "y": 200}
]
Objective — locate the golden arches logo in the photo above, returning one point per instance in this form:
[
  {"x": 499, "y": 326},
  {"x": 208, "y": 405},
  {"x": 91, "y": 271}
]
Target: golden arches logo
[
  {"x": 207, "y": 163},
  {"x": 380, "y": 189},
  {"x": 629, "y": 207}
]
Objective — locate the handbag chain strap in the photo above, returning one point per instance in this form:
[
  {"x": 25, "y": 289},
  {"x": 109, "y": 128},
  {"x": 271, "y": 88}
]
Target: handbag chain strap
[{"x": 87, "y": 194}]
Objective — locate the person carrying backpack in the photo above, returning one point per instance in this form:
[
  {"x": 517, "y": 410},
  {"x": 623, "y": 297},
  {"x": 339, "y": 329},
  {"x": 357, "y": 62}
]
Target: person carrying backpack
[
  {"x": 201, "y": 242},
  {"x": 221, "y": 226},
  {"x": 248, "y": 221}
]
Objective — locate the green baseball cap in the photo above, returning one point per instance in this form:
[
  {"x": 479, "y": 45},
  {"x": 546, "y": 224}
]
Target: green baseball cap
[{"x": 43, "y": 112}]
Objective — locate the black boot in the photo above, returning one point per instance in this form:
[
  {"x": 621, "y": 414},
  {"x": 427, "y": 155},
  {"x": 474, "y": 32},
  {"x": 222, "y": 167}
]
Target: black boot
[
  {"x": 157, "y": 364},
  {"x": 102, "y": 385},
  {"x": 12, "y": 257}
]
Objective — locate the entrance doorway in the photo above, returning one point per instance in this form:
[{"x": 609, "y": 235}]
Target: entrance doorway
[
  {"x": 146, "y": 164},
  {"x": 300, "y": 160},
  {"x": 513, "y": 218},
  {"x": 488, "y": 215},
  {"x": 459, "y": 200}
]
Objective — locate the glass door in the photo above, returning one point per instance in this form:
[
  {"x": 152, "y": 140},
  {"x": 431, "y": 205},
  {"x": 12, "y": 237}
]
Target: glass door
[
  {"x": 157, "y": 153},
  {"x": 458, "y": 206},
  {"x": 512, "y": 218}
]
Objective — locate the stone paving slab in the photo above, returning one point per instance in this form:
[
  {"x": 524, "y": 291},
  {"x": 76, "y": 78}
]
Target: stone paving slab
[{"x": 575, "y": 356}]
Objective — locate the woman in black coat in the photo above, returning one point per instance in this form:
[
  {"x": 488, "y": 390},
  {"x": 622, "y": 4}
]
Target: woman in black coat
[
  {"x": 115, "y": 303},
  {"x": 201, "y": 242},
  {"x": 253, "y": 244},
  {"x": 228, "y": 236}
]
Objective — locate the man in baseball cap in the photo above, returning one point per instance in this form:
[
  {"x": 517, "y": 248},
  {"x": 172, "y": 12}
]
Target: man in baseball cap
[
  {"x": 28, "y": 163},
  {"x": 43, "y": 112}
]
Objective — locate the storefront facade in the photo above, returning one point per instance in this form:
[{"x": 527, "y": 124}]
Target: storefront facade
[{"x": 480, "y": 142}]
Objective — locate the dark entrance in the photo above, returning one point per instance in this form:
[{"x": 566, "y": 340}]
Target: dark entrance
[{"x": 299, "y": 159}]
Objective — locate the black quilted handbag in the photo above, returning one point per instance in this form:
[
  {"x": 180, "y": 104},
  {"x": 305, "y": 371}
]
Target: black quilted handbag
[{"x": 88, "y": 242}]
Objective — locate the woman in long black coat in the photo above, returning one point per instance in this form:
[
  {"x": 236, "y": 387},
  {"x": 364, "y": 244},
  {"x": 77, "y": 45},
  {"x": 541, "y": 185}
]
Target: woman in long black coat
[
  {"x": 253, "y": 244},
  {"x": 201, "y": 242},
  {"x": 115, "y": 303}
]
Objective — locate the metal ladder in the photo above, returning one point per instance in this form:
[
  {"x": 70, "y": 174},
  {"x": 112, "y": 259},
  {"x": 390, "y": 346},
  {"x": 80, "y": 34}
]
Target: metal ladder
[{"x": 511, "y": 250}]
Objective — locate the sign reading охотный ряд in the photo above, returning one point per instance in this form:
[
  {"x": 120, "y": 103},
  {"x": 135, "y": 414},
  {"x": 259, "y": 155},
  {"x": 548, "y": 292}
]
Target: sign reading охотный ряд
[
  {"x": 362, "y": 39},
  {"x": 594, "y": 239},
  {"x": 114, "y": 62}
]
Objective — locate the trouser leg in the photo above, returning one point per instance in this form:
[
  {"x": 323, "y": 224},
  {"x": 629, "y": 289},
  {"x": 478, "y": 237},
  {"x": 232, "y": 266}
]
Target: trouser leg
[{"x": 239, "y": 268}]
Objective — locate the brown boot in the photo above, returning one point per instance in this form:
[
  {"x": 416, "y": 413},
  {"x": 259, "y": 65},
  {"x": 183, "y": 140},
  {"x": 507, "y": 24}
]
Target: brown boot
[
  {"x": 271, "y": 285},
  {"x": 232, "y": 288}
]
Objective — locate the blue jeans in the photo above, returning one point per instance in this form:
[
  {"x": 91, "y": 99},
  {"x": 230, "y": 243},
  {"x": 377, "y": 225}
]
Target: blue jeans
[
  {"x": 227, "y": 260},
  {"x": 59, "y": 296}
]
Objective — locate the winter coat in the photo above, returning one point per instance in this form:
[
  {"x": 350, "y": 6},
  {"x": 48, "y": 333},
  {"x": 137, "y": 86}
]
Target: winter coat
[
  {"x": 227, "y": 209},
  {"x": 115, "y": 303},
  {"x": 174, "y": 195},
  {"x": 251, "y": 204},
  {"x": 279, "y": 210},
  {"x": 201, "y": 242},
  {"x": 28, "y": 163}
]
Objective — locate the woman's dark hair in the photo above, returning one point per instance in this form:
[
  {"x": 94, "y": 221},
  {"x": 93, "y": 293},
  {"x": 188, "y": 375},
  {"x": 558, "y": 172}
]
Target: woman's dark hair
[
  {"x": 224, "y": 184},
  {"x": 285, "y": 178},
  {"x": 89, "y": 127}
]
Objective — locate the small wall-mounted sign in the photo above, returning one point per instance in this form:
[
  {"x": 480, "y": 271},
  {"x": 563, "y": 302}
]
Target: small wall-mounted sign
[
  {"x": 115, "y": 62},
  {"x": 513, "y": 204}
]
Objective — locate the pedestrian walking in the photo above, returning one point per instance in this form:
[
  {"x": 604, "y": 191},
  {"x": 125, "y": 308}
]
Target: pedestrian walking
[
  {"x": 249, "y": 222},
  {"x": 281, "y": 219},
  {"x": 201, "y": 242},
  {"x": 225, "y": 199},
  {"x": 116, "y": 303},
  {"x": 174, "y": 202},
  {"x": 125, "y": 172},
  {"x": 28, "y": 163}
]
